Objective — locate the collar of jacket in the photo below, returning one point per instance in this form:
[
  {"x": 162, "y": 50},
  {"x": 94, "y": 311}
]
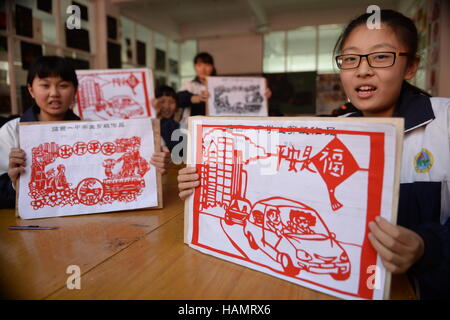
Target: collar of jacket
[
  {"x": 32, "y": 114},
  {"x": 197, "y": 79},
  {"x": 413, "y": 106}
]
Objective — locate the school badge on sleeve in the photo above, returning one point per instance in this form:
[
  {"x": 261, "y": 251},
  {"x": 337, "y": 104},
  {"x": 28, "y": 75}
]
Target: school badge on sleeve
[{"x": 423, "y": 161}]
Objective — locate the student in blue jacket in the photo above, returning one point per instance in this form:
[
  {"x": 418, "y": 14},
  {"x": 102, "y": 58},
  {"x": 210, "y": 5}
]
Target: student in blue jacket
[
  {"x": 52, "y": 82},
  {"x": 375, "y": 65}
]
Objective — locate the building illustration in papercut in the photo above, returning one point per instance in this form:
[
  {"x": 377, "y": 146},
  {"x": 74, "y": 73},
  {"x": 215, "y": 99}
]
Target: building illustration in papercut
[
  {"x": 223, "y": 178},
  {"x": 91, "y": 95}
]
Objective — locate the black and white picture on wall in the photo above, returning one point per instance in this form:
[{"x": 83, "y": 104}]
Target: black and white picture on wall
[{"x": 236, "y": 96}]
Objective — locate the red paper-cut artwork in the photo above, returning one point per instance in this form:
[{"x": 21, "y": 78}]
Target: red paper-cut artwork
[
  {"x": 292, "y": 200},
  {"x": 50, "y": 187},
  {"x": 108, "y": 173},
  {"x": 114, "y": 94}
]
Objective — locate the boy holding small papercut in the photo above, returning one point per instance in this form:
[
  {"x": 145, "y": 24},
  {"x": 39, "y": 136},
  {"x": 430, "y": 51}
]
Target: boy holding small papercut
[{"x": 52, "y": 82}]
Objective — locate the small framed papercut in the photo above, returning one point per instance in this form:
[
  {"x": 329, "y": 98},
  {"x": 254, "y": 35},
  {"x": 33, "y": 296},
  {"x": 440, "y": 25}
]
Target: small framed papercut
[
  {"x": 292, "y": 197},
  {"x": 84, "y": 167},
  {"x": 237, "y": 96},
  {"x": 115, "y": 94}
]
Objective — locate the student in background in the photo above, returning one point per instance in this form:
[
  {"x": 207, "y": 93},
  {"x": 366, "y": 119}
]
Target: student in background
[
  {"x": 193, "y": 94},
  {"x": 52, "y": 83},
  {"x": 166, "y": 107},
  {"x": 375, "y": 65}
]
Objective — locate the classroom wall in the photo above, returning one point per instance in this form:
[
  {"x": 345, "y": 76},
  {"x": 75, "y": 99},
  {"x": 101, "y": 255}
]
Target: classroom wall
[
  {"x": 227, "y": 38},
  {"x": 312, "y": 14},
  {"x": 156, "y": 21},
  {"x": 240, "y": 54}
]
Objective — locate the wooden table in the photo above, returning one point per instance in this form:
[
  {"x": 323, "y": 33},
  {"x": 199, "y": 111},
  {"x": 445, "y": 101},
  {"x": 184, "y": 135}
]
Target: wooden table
[{"x": 131, "y": 255}]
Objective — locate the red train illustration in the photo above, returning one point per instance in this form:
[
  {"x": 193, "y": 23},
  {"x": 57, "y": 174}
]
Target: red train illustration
[{"x": 50, "y": 187}]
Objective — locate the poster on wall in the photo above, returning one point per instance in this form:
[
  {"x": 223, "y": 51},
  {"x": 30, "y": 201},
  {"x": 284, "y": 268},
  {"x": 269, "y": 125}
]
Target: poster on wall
[
  {"x": 115, "y": 94},
  {"x": 330, "y": 94},
  {"x": 236, "y": 96},
  {"x": 92, "y": 167},
  {"x": 292, "y": 197}
]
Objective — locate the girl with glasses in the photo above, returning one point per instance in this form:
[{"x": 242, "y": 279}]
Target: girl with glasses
[{"x": 375, "y": 65}]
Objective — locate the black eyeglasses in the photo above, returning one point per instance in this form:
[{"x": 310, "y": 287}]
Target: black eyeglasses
[{"x": 374, "y": 59}]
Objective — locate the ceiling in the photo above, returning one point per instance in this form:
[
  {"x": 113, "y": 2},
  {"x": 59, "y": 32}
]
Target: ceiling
[{"x": 176, "y": 16}]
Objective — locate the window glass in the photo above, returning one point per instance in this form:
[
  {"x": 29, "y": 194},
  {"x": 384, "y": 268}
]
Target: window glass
[
  {"x": 143, "y": 45},
  {"x": 188, "y": 50},
  {"x": 301, "y": 49},
  {"x": 274, "y": 52},
  {"x": 328, "y": 35},
  {"x": 127, "y": 42}
]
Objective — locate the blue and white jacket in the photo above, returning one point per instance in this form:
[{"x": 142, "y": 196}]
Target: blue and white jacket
[{"x": 424, "y": 203}]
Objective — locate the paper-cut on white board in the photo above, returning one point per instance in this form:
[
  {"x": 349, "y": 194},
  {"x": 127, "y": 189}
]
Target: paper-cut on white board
[
  {"x": 237, "y": 96},
  {"x": 292, "y": 197},
  {"x": 115, "y": 94},
  {"x": 83, "y": 167}
]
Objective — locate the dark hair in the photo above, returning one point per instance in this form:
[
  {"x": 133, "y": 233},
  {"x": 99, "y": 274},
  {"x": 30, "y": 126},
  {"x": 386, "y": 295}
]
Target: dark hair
[
  {"x": 204, "y": 57},
  {"x": 52, "y": 66},
  {"x": 166, "y": 91},
  {"x": 403, "y": 27}
]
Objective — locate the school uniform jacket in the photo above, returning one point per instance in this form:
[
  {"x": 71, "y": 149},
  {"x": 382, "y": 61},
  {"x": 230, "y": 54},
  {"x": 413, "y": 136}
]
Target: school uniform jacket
[
  {"x": 9, "y": 138},
  {"x": 424, "y": 203},
  {"x": 188, "y": 89}
]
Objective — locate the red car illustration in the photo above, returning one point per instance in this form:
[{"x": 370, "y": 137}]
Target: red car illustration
[
  {"x": 124, "y": 107},
  {"x": 294, "y": 235},
  {"x": 238, "y": 211}
]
